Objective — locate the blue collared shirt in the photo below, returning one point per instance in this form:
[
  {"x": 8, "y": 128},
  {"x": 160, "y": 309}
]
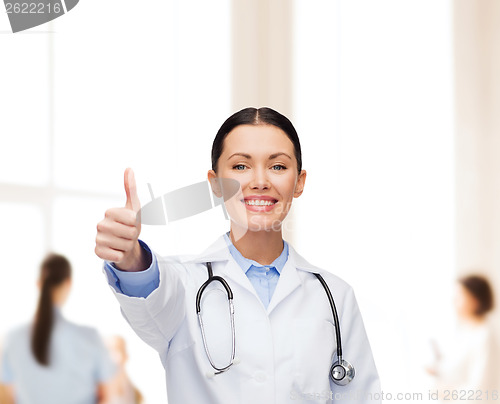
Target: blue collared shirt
[
  {"x": 264, "y": 278},
  {"x": 78, "y": 362}
]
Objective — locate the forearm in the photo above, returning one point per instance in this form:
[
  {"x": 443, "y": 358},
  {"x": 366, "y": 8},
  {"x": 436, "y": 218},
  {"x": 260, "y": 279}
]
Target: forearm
[{"x": 152, "y": 301}]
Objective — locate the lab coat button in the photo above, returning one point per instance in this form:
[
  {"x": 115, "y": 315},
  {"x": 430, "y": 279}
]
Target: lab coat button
[{"x": 260, "y": 377}]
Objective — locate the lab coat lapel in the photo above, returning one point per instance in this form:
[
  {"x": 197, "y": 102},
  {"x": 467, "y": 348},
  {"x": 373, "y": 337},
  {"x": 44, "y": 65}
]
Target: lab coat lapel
[
  {"x": 233, "y": 272},
  {"x": 229, "y": 268},
  {"x": 217, "y": 251},
  {"x": 289, "y": 279}
]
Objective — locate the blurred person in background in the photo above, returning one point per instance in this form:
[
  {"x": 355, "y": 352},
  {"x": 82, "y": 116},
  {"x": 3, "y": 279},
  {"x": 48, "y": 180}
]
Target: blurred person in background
[
  {"x": 53, "y": 360},
  {"x": 121, "y": 389},
  {"x": 5, "y": 391},
  {"x": 466, "y": 363},
  {"x": 5, "y": 395}
]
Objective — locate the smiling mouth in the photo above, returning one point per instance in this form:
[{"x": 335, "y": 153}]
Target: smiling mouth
[{"x": 259, "y": 202}]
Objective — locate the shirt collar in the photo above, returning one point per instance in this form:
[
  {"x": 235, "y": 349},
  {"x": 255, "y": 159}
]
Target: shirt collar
[
  {"x": 246, "y": 263},
  {"x": 57, "y": 312}
]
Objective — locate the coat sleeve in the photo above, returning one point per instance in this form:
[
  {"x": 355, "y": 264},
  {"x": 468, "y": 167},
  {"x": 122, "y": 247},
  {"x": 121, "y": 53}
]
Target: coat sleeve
[
  {"x": 365, "y": 387},
  {"x": 157, "y": 317}
]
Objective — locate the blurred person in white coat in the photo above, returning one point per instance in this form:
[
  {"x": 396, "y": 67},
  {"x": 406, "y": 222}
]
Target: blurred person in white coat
[
  {"x": 284, "y": 329},
  {"x": 466, "y": 362},
  {"x": 53, "y": 360}
]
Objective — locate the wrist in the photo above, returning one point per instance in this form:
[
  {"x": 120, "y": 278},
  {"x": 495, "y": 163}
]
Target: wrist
[{"x": 138, "y": 260}]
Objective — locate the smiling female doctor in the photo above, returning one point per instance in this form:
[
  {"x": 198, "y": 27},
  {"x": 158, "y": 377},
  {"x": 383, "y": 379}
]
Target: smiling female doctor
[{"x": 281, "y": 341}]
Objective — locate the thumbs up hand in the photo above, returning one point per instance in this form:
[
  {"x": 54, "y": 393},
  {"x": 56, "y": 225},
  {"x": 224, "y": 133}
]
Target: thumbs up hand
[
  {"x": 133, "y": 202},
  {"x": 118, "y": 233}
]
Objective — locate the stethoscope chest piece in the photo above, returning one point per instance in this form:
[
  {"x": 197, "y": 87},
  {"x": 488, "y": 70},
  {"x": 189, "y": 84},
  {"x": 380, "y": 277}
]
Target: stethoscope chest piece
[{"x": 342, "y": 372}]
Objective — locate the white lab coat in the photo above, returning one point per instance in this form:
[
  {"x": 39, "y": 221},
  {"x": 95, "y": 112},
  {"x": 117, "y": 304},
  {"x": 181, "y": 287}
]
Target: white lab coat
[
  {"x": 467, "y": 370},
  {"x": 285, "y": 351}
]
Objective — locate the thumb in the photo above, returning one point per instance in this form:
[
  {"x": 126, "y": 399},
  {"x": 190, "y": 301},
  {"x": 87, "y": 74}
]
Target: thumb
[{"x": 133, "y": 202}]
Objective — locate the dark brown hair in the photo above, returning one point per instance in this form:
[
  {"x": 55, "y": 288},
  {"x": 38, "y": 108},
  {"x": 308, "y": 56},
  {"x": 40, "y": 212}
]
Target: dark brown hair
[
  {"x": 480, "y": 289},
  {"x": 54, "y": 270},
  {"x": 254, "y": 116}
]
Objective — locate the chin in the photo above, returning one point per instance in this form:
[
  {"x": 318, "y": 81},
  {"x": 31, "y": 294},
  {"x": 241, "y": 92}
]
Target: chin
[
  {"x": 256, "y": 225},
  {"x": 264, "y": 224}
]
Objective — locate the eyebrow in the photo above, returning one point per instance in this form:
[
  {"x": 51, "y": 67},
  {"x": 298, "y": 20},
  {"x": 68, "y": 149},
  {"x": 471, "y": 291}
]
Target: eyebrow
[{"x": 272, "y": 156}]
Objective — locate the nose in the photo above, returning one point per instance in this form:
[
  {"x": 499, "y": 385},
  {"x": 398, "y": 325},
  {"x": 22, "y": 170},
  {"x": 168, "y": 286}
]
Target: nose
[{"x": 260, "y": 179}]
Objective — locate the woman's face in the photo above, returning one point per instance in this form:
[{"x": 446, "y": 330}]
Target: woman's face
[
  {"x": 466, "y": 304},
  {"x": 261, "y": 158}
]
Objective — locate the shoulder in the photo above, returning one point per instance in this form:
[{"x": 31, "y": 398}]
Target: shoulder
[
  {"x": 17, "y": 334},
  {"x": 82, "y": 332},
  {"x": 19, "y": 331},
  {"x": 184, "y": 263},
  {"x": 341, "y": 291},
  {"x": 306, "y": 269},
  {"x": 16, "y": 340},
  {"x": 486, "y": 333}
]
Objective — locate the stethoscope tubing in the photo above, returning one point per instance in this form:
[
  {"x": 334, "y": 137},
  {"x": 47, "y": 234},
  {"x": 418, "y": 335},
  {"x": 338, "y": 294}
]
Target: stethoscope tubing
[
  {"x": 335, "y": 315},
  {"x": 229, "y": 292},
  {"x": 341, "y": 372}
]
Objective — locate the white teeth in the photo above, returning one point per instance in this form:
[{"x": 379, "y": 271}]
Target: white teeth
[{"x": 254, "y": 202}]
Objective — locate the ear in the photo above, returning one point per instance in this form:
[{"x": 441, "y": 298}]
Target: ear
[
  {"x": 214, "y": 183},
  {"x": 301, "y": 181}
]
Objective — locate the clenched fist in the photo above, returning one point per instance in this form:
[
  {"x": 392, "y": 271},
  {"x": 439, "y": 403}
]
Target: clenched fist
[{"x": 118, "y": 233}]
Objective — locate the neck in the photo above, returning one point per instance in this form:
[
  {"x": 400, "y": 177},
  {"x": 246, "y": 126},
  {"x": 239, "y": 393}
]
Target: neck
[
  {"x": 473, "y": 320},
  {"x": 261, "y": 246}
]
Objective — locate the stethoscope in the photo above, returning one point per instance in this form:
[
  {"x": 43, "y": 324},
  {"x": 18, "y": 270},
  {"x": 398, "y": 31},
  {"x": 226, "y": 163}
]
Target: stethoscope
[{"x": 341, "y": 372}]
